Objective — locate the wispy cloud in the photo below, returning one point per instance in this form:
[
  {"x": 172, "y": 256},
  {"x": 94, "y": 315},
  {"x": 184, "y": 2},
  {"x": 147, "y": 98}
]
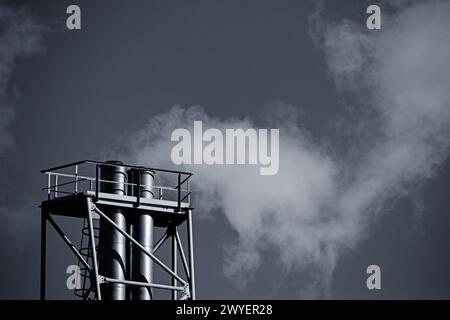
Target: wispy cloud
[
  {"x": 324, "y": 198},
  {"x": 20, "y": 36}
]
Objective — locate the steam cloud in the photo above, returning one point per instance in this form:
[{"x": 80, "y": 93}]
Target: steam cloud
[
  {"x": 20, "y": 36},
  {"x": 323, "y": 200}
]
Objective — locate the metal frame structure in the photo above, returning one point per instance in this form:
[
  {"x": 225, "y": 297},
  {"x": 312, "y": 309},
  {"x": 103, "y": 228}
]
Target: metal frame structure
[{"x": 82, "y": 198}]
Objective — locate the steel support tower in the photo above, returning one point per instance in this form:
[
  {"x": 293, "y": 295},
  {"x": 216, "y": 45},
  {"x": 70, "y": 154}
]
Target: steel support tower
[{"x": 121, "y": 206}]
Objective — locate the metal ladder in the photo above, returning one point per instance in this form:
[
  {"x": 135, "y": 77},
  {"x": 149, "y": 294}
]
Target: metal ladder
[{"x": 86, "y": 291}]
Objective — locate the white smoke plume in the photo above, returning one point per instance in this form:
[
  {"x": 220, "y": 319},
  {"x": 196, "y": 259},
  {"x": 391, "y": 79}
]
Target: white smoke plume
[
  {"x": 326, "y": 195},
  {"x": 20, "y": 36}
]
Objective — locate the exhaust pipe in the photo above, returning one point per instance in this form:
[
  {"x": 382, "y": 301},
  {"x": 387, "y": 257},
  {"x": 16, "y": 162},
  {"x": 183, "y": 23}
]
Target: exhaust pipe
[
  {"x": 141, "y": 228},
  {"x": 112, "y": 244}
]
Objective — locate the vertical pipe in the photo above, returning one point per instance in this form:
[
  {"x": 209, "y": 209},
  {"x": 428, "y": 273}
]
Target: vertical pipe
[
  {"x": 43, "y": 252},
  {"x": 191, "y": 255},
  {"x": 141, "y": 224},
  {"x": 174, "y": 261},
  {"x": 112, "y": 244}
]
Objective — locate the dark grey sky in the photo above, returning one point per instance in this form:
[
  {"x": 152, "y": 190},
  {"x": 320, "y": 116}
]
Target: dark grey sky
[{"x": 132, "y": 60}]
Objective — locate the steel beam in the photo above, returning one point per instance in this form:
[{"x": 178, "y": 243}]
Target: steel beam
[
  {"x": 68, "y": 242},
  {"x": 191, "y": 255},
  {"x": 43, "y": 252},
  {"x": 174, "y": 261},
  {"x": 142, "y": 284},
  {"x": 183, "y": 257},
  {"x": 95, "y": 275},
  {"x": 148, "y": 253},
  {"x": 160, "y": 242}
]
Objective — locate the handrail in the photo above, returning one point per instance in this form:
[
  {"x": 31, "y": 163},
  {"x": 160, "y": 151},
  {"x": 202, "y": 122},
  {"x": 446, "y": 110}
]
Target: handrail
[
  {"x": 65, "y": 184},
  {"x": 112, "y": 164},
  {"x": 63, "y": 166},
  {"x": 182, "y": 179},
  {"x": 86, "y": 178}
]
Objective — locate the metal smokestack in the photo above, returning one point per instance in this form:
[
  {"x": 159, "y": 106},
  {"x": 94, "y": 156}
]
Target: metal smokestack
[
  {"x": 141, "y": 227},
  {"x": 112, "y": 244},
  {"x": 113, "y": 259}
]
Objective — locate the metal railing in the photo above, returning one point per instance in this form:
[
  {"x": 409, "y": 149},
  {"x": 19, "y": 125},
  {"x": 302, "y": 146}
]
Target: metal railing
[{"x": 83, "y": 176}]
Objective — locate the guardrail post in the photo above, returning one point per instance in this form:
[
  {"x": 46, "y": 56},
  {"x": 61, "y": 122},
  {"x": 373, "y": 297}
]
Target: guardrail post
[
  {"x": 49, "y": 182},
  {"x": 56, "y": 186},
  {"x": 43, "y": 252},
  {"x": 97, "y": 181},
  {"x": 138, "y": 182},
  {"x": 76, "y": 179},
  {"x": 189, "y": 191},
  {"x": 179, "y": 192}
]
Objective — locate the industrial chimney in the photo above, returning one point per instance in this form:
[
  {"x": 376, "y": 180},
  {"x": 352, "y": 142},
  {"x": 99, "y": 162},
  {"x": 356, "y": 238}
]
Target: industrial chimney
[
  {"x": 112, "y": 251},
  {"x": 121, "y": 206},
  {"x": 141, "y": 228}
]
